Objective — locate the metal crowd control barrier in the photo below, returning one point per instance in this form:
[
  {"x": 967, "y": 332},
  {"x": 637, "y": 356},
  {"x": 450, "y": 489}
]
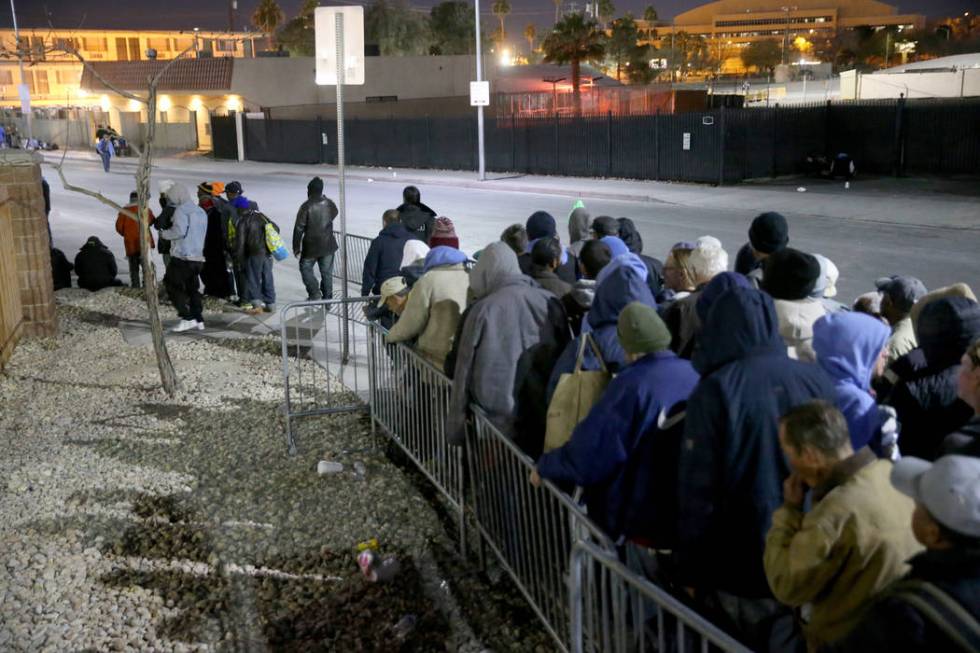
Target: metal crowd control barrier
[
  {"x": 530, "y": 530},
  {"x": 410, "y": 401},
  {"x": 614, "y": 610},
  {"x": 357, "y": 250},
  {"x": 325, "y": 359}
]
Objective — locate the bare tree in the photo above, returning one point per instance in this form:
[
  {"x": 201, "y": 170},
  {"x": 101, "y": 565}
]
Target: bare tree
[{"x": 168, "y": 377}]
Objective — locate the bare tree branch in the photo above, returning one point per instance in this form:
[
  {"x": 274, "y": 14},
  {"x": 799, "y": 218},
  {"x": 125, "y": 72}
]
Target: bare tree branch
[{"x": 91, "y": 193}]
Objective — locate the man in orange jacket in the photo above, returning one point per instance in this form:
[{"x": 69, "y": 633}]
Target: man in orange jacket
[{"x": 129, "y": 229}]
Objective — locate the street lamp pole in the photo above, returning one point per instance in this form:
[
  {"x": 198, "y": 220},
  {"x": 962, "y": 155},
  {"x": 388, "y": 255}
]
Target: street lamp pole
[
  {"x": 24, "y": 89},
  {"x": 479, "y": 109}
]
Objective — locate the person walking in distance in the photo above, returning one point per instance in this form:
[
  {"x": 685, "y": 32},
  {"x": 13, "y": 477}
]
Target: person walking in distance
[
  {"x": 314, "y": 243},
  {"x": 105, "y": 150},
  {"x": 186, "y": 236}
]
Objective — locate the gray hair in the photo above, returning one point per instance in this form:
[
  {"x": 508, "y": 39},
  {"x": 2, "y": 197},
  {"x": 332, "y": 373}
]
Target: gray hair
[
  {"x": 707, "y": 260},
  {"x": 816, "y": 424},
  {"x": 178, "y": 194}
]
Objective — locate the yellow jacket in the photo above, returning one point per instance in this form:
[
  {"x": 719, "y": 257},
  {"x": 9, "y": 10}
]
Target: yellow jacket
[{"x": 838, "y": 556}]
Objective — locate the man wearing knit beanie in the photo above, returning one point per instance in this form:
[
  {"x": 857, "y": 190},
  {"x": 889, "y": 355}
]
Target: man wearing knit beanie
[
  {"x": 768, "y": 234},
  {"x": 629, "y": 495},
  {"x": 789, "y": 277},
  {"x": 542, "y": 225}
]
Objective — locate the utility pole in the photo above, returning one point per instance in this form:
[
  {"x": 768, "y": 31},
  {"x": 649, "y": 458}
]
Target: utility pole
[
  {"x": 888, "y": 41},
  {"x": 23, "y": 89},
  {"x": 232, "y": 9},
  {"x": 786, "y": 11},
  {"x": 479, "y": 109}
]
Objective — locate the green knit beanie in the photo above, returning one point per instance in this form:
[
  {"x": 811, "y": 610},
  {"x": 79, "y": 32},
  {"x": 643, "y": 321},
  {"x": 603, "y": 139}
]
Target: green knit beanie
[{"x": 641, "y": 331}]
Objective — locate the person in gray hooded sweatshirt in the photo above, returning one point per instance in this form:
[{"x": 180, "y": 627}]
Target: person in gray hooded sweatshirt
[
  {"x": 512, "y": 336},
  {"x": 578, "y": 228}
]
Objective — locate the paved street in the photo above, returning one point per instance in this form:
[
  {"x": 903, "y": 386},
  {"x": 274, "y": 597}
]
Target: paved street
[{"x": 926, "y": 228}]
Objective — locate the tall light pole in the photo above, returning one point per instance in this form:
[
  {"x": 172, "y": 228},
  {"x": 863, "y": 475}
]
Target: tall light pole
[
  {"x": 786, "y": 11},
  {"x": 24, "y": 89},
  {"x": 479, "y": 78}
]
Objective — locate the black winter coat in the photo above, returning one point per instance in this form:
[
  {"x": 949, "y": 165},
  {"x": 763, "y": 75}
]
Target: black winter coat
[
  {"x": 313, "y": 235},
  {"x": 567, "y": 271},
  {"x": 418, "y": 219},
  {"x": 95, "y": 266},
  {"x": 384, "y": 257},
  {"x": 926, "y": 401},
  {"x": 60, "y": 269},
  {"x": 250, "y": 234},
  {"x": 732, "y": 469},
  {"x": 893, "y": 624},
  {"x": 164, "y": 221}
]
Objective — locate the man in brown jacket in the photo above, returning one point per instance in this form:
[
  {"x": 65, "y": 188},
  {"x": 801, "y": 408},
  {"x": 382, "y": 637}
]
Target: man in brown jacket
[{"x": 854, "y": 541}]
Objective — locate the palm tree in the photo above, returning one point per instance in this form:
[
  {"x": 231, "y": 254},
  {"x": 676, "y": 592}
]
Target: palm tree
[
  {"x": 650, "y": 14},
  {"x": 575, "y": 39},
  {"x": 530, "y": 33},
  {"x": 267, "y": 17},
  {"x": 605, "y": 10},
  {"x": 500, "y": 9},
  {"x": 557, "y": 10}
]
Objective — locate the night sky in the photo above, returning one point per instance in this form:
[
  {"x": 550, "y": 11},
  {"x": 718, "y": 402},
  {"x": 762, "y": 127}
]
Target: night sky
[{"x": 186, "y": 14}]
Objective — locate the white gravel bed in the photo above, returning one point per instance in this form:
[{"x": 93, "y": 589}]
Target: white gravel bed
[{"x": 129, "y": 521}]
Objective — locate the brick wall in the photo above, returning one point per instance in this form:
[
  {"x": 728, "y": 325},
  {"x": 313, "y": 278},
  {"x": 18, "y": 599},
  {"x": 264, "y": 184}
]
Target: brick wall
[{"x": 26, "y": 289}]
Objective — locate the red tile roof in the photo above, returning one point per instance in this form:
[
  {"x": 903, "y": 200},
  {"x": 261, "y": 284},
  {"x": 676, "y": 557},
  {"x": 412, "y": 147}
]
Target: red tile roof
[{"x": 184, "y": 75}]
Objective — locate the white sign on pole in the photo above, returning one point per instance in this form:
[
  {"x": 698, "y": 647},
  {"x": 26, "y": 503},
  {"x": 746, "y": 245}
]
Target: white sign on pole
[
  {"x": 480, "y": 94},
  {"x": 687, "y": 140},
  {"x": 325, "y": 38},
  {"x": 24, "y": 91}
]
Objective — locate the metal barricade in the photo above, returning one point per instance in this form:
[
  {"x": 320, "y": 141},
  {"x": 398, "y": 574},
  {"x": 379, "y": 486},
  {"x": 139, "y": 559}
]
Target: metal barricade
[
  {"x": 325, "y": 359},
  {"x": 530, "y": 530},
  {"x": 410, "y": 401},
  {"x": 614, "y": 610},
  {"x": 357, "y": 250}
]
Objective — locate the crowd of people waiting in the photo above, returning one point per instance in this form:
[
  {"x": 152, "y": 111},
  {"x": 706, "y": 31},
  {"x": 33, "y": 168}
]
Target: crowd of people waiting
[
  {"x": 805, "y": 474},
  {"x": 224, "y": 243}
]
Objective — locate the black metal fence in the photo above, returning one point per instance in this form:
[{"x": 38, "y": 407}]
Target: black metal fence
[{"x": 715, "y": 146}]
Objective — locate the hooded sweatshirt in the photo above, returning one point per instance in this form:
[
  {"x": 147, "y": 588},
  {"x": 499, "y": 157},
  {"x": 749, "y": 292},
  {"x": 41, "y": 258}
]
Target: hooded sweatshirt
[
  {"x": 630, "y": 235},
  {"x": 95, "y": 265},
  {"x": 926, "y": 402},
  {"x": 848, "y": 346},
  {"x": 508, "y": 345},
  {"x": 578, "y": 228},
  {"x": 434, "y": 305},
  {"x": 731, "y": 467},
  {"x": 617, "y": 290}
]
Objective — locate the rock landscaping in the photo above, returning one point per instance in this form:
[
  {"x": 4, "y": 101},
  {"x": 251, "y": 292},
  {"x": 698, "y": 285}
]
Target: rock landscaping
[{"x": 130, "y": 521}]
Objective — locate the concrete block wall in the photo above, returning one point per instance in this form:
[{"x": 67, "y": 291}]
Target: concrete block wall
[{"x": 26, "y": 288}]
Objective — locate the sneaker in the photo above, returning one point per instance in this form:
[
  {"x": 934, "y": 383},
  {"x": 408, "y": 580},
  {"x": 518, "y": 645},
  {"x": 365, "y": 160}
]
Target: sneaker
[
  {"x": 184, "y": 325},
  {"x": 269, "y": 308},
  {"x": 200, "y": 325},
  {"x": 254, "y": 310}
]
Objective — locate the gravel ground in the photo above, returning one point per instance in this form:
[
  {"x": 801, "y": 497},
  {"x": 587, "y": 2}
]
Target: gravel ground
[{"x": 130, "y": 521}]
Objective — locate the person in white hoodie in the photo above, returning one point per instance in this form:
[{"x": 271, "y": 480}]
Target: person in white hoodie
[
  {"x": 790, "y": 277},
  {"x": 186, "y": 234}
]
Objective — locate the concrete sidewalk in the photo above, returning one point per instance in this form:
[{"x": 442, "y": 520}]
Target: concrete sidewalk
[{"x": 913, "y": 202}]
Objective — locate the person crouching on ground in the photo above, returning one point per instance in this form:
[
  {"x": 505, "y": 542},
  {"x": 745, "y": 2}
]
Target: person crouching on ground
[{"x": 190, "y": 225}]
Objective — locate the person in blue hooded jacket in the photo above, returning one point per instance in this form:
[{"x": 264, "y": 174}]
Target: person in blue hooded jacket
[
  {"x": 623, "y": 284},
  {"x": 653, "y": 382},
  {"x": 731, "y": 468},
  {"x": 850, "y": 348},
  {"x": 384, "y": 256}
]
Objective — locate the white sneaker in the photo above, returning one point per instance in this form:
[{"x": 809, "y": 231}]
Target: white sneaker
[
  {"x": 200, "y": 325},
  {"x": 184, "y": 325}
]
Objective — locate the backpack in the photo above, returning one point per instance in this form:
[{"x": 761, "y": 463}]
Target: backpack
[
  {"x": 273, "y": 241},
  {"x": 941, "y": 610}
]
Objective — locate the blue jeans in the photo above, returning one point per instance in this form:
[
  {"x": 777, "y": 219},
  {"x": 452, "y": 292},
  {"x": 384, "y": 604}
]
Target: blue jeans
[
  {"x": 259, "y": 285},
  {"x": 105, "y": 160},
  {"x": 322, "y": 289}
]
